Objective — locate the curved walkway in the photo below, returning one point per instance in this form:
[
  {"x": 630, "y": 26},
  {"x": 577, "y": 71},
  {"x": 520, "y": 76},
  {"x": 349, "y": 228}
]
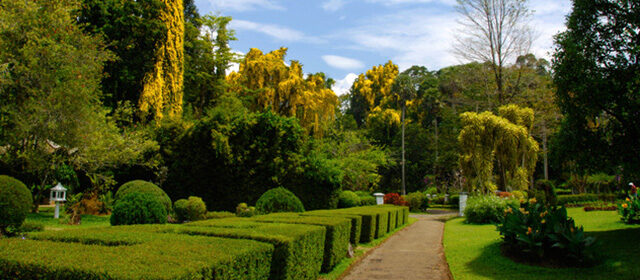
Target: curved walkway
[{"x": 415, "y": 252}]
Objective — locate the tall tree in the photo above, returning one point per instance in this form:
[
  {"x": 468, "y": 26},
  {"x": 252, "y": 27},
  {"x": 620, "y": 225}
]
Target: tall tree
[
  {"x": 269, "y": 83},
  {"x": 163, "y": 86},
  {"x": 132, "y": 31},
  {"x": 494, "y": 31},
  {"x": 597, "y": 73},
  {"x": 404, "y": 88},
  {"x": 372, "y": 89},
  {"x": 486, "y": 138}
]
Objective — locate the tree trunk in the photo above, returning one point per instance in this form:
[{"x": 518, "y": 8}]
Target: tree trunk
[
  {"x": 404, "y": 190},
  {"x": 544, "y": 152},
  {"x": 435, "y": 162}
]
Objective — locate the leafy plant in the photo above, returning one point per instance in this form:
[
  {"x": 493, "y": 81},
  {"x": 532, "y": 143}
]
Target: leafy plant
[
  {"x": 243, "y": 210},
  {"x": 106, "y": 202},
  {"x": 191, "y": 209},
  {"x": 138, "y": 208},
  {"x": 485, "y": 209},
  {"x": 279, "y": 200},
  {"x": 15, "y": 203},
  {"x": 395, "y": 199},
  {"x": 417, "y": 201},
  {"x": 536, "y": 231},
  {"x": 348, "y": 199},
  {"x": 629, "y": 210}
]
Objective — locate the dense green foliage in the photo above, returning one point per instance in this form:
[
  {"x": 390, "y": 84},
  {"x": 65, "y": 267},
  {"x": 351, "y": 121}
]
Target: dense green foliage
[
  {"x": 191, "y": 209},
  {"x": 348, "y": 199},
  {"x": 537, "y": 232},
  {"x": 485, "y": 209},
  {"x": 138, "y": 208},
  {"x": 278, "y": 200},
  {"x": 417, "y": 201},
  {"x": 15, "y": 202},
  {"x": 298, "y": 249},
  {"x": 139, "y": 186},
  {"x": 249, "y": 154},
  {"x": 630, "y": 210},
  {"x": 596, "y": 73},
  {"x": 356, "y": 222},
  {"x": 243, "y": 210}
]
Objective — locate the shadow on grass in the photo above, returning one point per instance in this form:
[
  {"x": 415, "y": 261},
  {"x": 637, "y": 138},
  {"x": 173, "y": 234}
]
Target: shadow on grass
[{"x": 620, "y": 250}]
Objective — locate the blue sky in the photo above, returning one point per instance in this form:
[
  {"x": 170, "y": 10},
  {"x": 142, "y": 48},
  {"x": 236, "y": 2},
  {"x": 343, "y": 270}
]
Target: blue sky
[{"x": 346, "y": 37}]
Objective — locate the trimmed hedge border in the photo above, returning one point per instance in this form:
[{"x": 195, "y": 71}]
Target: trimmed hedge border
[
  {"x": 356, "y": 222},
  {"x": 336, "y": 239},
  {"x": 159, "y": 256},
  {"x": 298, "y": 252},
  {"x": 276, "y": 246}
]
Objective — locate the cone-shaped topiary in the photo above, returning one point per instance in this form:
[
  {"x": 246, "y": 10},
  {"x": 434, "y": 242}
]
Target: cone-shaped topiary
[
  {"x": 279, "y": 200},
  {"x": 138, "y": 208},
  {"x": 15, "y": 203},
  {"x": 139, "y": 186}
]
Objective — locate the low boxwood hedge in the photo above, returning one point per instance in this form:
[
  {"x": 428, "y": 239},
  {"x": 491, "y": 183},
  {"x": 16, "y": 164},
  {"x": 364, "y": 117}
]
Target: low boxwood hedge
[
  {"x": 368, "y": 229},
  {"x": 336, "y": 239},
  {"x": 299, "y": 249},
  {"x": 577, "y": 198},
  {"x": 137, "y": 255},
  {"x": 356, "y": 222}
]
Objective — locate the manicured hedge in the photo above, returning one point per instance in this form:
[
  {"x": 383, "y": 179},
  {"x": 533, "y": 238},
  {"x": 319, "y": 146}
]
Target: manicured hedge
[
  {"x": 382, "y": 220},
  {"x": 138, "y": 255},
  {"x": 298, "y": 252},
  {"x": 369, "y": 220},
  {"x": 356, "y": 222},
  {"x": 575, "y": 198},
  {"x": 336, "y": 239}
]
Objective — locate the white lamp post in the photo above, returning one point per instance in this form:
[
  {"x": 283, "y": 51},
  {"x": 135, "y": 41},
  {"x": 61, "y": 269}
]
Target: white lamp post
[
  {"x": 58, "y": 194},
  {"x": 463, "y": 202},
  {"x": 379, "y": 198}
]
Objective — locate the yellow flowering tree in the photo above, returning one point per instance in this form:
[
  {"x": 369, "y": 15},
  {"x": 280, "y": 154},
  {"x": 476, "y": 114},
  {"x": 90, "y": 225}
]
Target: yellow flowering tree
[
  {"x": 162, "y": 87},
  {"x": 271, "y": 84},
  {"x": 505, "y": 140},
  {"x": 373, "y": 89}
]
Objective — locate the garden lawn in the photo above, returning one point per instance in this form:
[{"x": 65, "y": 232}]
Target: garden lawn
[
  {"x": 46, "y": 218},
  {"x": 473, "y": 251}
]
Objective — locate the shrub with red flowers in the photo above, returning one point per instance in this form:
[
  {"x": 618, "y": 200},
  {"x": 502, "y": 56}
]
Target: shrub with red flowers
[
  {"x": 395, "y": 199},
  {"x": 504, "y": 194},
  {"x": 539, "y": 233}
]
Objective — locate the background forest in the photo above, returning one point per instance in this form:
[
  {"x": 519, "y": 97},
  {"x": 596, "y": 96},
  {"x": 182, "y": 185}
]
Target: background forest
[{"x": 95, "y": 93}]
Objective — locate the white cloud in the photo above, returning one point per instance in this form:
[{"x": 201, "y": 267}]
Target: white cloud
[
  {"x": 342, "y": 87},
  {"x": 342, "y": 62},
  {"x": 333, "y": 5},
  {"x": 277, "y": 32},
  {"x": 244, "y": 5}
]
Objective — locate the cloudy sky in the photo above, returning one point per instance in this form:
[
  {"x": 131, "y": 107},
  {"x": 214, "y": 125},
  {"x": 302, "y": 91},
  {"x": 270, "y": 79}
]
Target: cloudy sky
[{"x": 346, "y": 37}]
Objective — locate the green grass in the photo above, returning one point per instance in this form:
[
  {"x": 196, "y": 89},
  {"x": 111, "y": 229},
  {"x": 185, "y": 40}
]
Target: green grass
[
  {"x": 473, "y": 251},
  {"x": 46, "y": 218},
  {"x": 362, "y": 249}
]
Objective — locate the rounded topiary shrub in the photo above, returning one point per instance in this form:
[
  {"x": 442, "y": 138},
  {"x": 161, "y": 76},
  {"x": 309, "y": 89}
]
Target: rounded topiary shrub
[
  {"x": 138, "y": 208},
  {"x": 417, "y": 201},
  {"x": 191, "y": 209},
  {"x": 348, "y": 199},
  {"x": 139, "y": 186},
  {"x": 15, "y": 203},
  {"x": 279, "y": 200}
]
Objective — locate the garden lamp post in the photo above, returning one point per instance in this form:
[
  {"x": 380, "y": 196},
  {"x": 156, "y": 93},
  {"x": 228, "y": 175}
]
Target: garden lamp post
[
  {"x": 379, "y": 198},
  {"x": 463, "y": 203},
  {"x": 58, "y": 194}
]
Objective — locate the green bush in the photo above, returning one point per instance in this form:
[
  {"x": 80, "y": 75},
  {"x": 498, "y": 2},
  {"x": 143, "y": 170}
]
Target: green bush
[
  {"x": 484, "y": 209},
  {"x": 545, "y": 192},
  {"x": 138, "y": 208},
  {"x": 417, "y": 201},
  {"x": 132, "y": 252},
  {"x": 218, "y": 215},
  {"x": 191, "y": 209},
  {"x": 139, "y": 186},
  {"x": 15, "y": 203},
  {"x": 366, "y": 198},
  {"x": 576, "y": 198},
  {"x": 336, "y": 239},
  {"x": 28, "y": 226},
  {"x": 279, "y": 200},
  {"x": 519, "y": 195},
  {"x": 298, "y": 249},
  {"x": 539, "y": 232},
  {"x": 243, "y": 210},
  {"x": 348, "y": 199},
  {"x": 629, "y": 210}
]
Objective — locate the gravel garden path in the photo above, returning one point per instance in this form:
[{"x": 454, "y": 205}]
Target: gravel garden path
[{"x": 415, "y": 252}]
